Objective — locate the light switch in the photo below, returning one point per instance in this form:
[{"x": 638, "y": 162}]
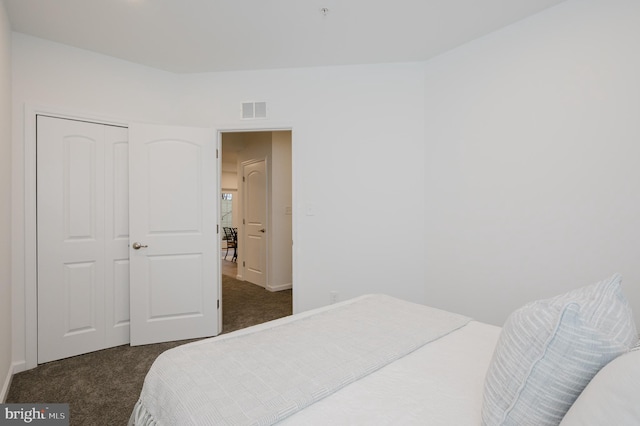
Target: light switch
[{"x": 310, "y": 210}]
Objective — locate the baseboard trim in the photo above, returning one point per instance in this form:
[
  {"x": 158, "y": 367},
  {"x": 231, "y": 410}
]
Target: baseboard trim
[
  {"x": 16, "y": 367},
  {"x": 280, "y": 287}
]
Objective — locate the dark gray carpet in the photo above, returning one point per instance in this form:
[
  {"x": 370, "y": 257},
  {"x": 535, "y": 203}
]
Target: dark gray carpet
[{"x": 102, "y": 387}]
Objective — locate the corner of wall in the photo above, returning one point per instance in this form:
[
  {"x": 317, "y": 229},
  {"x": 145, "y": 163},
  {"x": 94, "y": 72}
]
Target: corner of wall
[{"x": 6, "y": 343}]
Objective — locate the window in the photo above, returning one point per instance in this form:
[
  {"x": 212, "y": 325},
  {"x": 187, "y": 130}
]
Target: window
[{"x": 226, "y": 210}]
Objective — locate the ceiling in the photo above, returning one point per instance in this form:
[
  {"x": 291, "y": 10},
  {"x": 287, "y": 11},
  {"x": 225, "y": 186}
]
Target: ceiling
[{"x": 190, "y": 36}]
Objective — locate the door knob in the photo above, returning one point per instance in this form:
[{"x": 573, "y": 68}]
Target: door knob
[
  {"x": 263, "y": 230},
  {"x": 138, "y": 246}
]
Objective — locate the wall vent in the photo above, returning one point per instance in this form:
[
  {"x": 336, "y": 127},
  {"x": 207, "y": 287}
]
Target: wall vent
[{"x": 253, "y": 110}]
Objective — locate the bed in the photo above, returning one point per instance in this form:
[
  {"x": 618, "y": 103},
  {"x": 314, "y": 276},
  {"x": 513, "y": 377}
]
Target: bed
[{"x": 379, "y": 360}]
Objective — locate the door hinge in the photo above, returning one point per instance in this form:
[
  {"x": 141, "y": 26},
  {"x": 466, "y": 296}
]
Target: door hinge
[
  {"x": 217, "y": 153},
  {"x": 243, "y": 178},
  {"x": 243, "y": 263},
  {"x": 217, "y": 229},
  {"x": 243, "y": 221},
  {"x": 218, "y": 303}
]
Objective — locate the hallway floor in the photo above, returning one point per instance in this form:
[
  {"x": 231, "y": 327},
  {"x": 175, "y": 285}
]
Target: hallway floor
[{"x": 227, "y": 266}]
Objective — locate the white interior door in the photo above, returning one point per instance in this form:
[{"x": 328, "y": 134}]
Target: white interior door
[
  {"x": 173, "y": 218},
  {"x": 83, "y": 271},
  {"x": 255, "y": 222}
]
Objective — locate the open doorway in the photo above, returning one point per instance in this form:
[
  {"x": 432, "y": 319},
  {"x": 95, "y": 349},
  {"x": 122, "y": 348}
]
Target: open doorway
[{"x": 256, "y": 204}]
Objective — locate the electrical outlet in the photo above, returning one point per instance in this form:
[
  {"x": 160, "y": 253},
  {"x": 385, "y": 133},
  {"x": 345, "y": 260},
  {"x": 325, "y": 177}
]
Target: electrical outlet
[{"x": 333, "y": 297}]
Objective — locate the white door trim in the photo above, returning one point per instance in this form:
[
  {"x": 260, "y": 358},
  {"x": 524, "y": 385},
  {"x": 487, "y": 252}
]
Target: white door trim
[{"x": 30, "y": 219}]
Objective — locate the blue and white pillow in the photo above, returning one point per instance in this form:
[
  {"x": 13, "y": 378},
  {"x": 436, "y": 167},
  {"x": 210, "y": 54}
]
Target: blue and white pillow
[{"x": 549, "y": 350}]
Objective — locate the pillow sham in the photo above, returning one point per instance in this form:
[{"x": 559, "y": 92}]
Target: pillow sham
[
  {"x": 549, "y": 350},
  {"x": 611, "y": 397}
]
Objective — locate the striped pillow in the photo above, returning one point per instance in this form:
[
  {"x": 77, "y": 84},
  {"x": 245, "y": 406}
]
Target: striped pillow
[{"x": 549, "y": 350}]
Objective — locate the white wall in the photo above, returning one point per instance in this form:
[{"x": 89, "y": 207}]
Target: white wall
[
  {"x": 533, "y": 177},
  {"x": 353, "y": 127},
  {"x": 280, "y": 236},
  {"x": 5, "y": 202},
  {"x": 229, "y": 181},
  {"x": 352, "y": 130}
]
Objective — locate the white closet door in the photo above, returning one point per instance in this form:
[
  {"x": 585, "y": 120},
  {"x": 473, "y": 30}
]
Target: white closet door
[
  {"x": 82, "y": 238},
  {"x": 174, "y": 244}
]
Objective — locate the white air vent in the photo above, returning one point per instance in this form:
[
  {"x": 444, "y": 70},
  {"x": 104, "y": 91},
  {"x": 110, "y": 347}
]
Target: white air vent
[
  {"x": 251, "y": 110},
  {"x": 260, "y": 109},
  {"x": 247, "y": 110}
]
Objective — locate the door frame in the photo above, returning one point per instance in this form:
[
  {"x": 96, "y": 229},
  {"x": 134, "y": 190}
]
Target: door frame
[
  {"x": 256, "y": 127},
  {"x": 30, "y": 216}
]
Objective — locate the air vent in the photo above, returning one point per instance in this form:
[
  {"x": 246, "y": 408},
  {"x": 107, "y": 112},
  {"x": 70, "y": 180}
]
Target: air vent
[
  {"x": 247, "y": 110},
  {"x": 253, "y": 110}
]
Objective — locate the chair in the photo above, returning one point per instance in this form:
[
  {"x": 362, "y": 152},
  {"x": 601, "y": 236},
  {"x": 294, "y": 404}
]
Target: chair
[
  {"x": 234, "y": 258},
  {"x": 231, "y": 236}
]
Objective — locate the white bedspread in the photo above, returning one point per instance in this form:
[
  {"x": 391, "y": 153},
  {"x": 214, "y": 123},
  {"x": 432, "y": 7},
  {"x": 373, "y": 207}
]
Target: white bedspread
[
  {"x": 440, "y": 384},
  {"x": 268, "y": 373}
]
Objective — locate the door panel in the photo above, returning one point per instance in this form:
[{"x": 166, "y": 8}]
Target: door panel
[
  {"x": 175, "y": 167},
  {"x": 120, "y": 279},
  {"x": 165, "y": 272},
  {"x": 79, "y": 290},
  {"x": 74, "y": 247},
  {"x": 173, "y": 214},
  {"x": 255, "y": 213}
]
